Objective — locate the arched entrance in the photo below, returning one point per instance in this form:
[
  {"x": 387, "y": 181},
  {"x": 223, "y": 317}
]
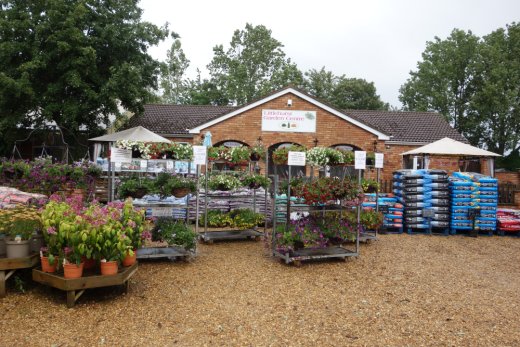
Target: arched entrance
[
  {"x": 343, "y": 171},
  {"x": 283, "y": 170}
]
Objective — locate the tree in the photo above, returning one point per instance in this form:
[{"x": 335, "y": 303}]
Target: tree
[
  {"x": 203, "y": 92},
  {"x": 74, "y": 62},
  {"x": 475, "y": 83},
  {"x": 443, "y": 80},
  {"x": 343, "y": 92},
  {"x": 495, "y": 104},
  {"x": 253, "y": 66},
  {"x": 172, "y": 73}
]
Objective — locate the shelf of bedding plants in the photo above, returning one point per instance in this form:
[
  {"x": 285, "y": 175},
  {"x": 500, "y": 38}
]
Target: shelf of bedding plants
[
  {"x": 173, "y": 207},
  {"x": 310, "y": 229},
  {"x": 249, "y": 197}
]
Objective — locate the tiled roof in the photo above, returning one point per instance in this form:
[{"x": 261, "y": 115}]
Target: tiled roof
[
  {"x": 177, "y": 119},
  {"x": 418, "y": 127},
  {"x": 408, "y": 126}
]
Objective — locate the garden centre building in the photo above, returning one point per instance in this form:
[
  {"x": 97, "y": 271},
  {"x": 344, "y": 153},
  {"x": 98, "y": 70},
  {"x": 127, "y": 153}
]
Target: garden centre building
[{"x": 291, "y": 116}]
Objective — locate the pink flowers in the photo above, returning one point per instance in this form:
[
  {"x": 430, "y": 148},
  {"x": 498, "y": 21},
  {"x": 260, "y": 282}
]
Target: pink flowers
[{"x": 51, "y": 231}]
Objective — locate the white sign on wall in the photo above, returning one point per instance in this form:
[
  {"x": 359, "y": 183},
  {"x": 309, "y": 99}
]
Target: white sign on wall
[
  {"x": 379, "y": 160},
  {"x": 360, "y": 160},
  {"x": 289, "y": 121},
  {"x": 296, "y": 158}
]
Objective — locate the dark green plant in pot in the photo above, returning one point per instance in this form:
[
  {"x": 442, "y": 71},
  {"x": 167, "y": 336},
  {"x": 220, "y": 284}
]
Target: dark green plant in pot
[
  {"x": 256, "y": 181},
  {"x": 175, "y": 233},
  {"x": 178, "y": 186},
  {"x": 135, "y": 187}
]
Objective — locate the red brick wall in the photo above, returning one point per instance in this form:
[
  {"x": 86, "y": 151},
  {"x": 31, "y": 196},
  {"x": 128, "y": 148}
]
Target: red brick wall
[
  {"x": 508, "y": 177},
  {"x": 448, "y": 163}
]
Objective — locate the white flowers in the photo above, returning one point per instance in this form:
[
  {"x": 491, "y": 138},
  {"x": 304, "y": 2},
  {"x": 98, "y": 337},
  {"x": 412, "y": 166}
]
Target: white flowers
[{"x": 142, "y": 147}]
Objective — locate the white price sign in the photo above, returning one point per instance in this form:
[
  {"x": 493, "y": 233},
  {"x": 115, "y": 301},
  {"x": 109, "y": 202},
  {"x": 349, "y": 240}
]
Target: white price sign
[
  {"x": 379, "y": 160},
  {"x": 199, "y": 155},
  {"x": 360, "y": 160},
  {"x": 120, "y": 155},
  {"x": 296, "y": 158}
]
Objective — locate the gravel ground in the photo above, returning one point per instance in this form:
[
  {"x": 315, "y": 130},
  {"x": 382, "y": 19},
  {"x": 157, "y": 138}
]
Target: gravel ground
[{"x": 403, "y": 291}]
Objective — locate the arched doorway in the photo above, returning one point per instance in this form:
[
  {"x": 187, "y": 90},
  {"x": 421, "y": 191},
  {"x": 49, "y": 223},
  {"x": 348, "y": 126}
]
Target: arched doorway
[
  {"x": 283, "y": 170},
  {"x": 343, "y": 171},
  {"x": 228, "y": 144}
]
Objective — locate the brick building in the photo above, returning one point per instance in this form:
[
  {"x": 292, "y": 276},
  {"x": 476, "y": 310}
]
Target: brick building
[{"x": 290, "y": 115}]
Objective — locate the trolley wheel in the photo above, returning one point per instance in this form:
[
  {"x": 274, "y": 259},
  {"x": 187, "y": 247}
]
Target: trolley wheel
[{"x": 297, "y": 263}]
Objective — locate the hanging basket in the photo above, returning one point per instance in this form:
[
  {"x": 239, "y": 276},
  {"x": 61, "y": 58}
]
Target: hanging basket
[
  {"x": 180, "y": 192},
  {"x": 136, "y": 153},
  {"x": 138, "y": 193}
]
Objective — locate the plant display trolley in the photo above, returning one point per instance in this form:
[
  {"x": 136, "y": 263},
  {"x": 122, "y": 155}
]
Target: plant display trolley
[
  {"x": 8, "y": 267},
  {"x": 285, "y": 207},
  {"x": 239, "y": 234},
  {"x": 75, "y": 287}
]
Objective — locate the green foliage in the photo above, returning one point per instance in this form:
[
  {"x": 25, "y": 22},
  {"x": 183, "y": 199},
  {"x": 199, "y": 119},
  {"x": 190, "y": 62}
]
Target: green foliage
[
  {"x": 74, "y": 62},
  {"x": 256, "y": 181},
  {"x": 130, "y": 186},
  {"x": 240, "y": 219},
  {"x": 371, "y": 219},
  {"x": 343, "y": 92},
  {"x": 223, "y": 182},
  {"x": 281, "y": 154},
  {"x": 177, "y": 182},
  {"x": 254, "y": 65},
  {"x": 474, "y": 83},
  {"x": 172, "y": 72},
  {"x": 174, "y": 232}
]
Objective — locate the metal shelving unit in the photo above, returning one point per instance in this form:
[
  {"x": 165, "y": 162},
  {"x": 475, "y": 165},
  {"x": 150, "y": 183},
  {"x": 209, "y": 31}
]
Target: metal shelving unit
[{"x": 227, "y": 235}]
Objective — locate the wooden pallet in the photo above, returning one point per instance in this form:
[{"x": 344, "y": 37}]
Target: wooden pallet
[
  {"x": 8, "y": 267},
  {"x": 71, "y": 285}
]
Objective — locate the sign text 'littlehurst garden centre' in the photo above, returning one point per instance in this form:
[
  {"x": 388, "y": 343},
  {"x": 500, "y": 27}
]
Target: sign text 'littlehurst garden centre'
[{"x": 289, "y": 121}]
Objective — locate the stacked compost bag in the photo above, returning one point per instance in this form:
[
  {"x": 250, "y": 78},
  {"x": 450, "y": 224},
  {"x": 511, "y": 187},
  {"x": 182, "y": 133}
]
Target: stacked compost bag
[
  {"x": 420, "y": 189},
  {"x": 393, "y": 219},
  {"x": 481, "y": 194}
]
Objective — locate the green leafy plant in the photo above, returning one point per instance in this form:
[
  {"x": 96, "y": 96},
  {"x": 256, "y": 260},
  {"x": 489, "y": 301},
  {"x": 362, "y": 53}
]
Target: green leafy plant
[
  {"x": 255, "y": 181},
  {"x": 257, "y": 152},
  {"x": 136, "y": 187},
  {"x": 371, "y": 219},
  {"x": 223, "y": 182},
  {"x": 280, "y": 155},
  {"x": 369, "y": 185},
  {"x": 246, "y": 218},
  {"x": 327, "y": 189},
  {"x": 219, "y": 153},
  {"x": 240, "y": 154},
  {"x": 174, "y": 232},
  {"x": 348, "y": 157}
]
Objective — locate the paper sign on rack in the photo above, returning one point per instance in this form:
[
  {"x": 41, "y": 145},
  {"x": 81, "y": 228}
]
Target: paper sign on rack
[
  {"x": 296, "y": 158},
  {"x": 360, "y": 160},
  {"x": 144, "y": 164},
  {"x": 169, "y": 165},
  {"x": 379, "y": 160},
  {"x": 199, "y": 155},
  {"x": 120, "y": 155}
]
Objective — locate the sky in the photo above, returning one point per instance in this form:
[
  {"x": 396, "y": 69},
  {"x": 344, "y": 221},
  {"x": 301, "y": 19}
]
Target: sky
[{"x": 377, "y": 40}]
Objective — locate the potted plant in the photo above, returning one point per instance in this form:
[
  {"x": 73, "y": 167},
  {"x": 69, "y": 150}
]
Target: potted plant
[
  {"x": 139, "y": 148},
  {"x": 135, "y": 187},
  {"x": 371, "y": 219},
  {"x": 174, "y": 233},
  {"x": 255, "y": 181},
  {"x": 371, "y": 158},
  {"x": 318, "y": 156},
  {"x": 257, "y": 152},
  {"x": 223, "y": 182},
  {"x": 176, "y": 185},
  {"x": 134, "y": 226},
  {"x": 369, "y": 185},
  {"x": 280, "y": 155},
  {"x": 219, "y": 153},
  {"x": 18, "y": 243},
  {"x": 112, "y": 246},
  {"x": 325, "y": 190},
  {"x": 240, "y": 155},
  {"x": 348, "y": 157}
]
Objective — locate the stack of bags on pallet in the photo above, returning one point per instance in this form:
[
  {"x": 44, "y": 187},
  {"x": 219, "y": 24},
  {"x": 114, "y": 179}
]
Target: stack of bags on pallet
[
  {"x": 508, "y": 221},
  {"x": 440, "y": 201},
  {"x": 393, "y": 219},
  {"x": 474, "y": 191},
  {"x": 420, "y": 189}
]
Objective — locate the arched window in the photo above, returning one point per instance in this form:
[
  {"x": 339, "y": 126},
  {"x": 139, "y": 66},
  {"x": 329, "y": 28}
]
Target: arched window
[
  {"x": 230, "y": 143},
  {"x": 343, "y": 171},
  {"x": 283, "y": 170}
]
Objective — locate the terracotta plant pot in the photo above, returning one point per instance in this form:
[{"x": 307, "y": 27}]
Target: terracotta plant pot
[
  {"x": 47, "y": 267},
  {"x": 16, "y": 249},
  {"x": 130, "y": 259},
  {"x": 72, "y": 270},
  {"x": 108, "y": 268}
]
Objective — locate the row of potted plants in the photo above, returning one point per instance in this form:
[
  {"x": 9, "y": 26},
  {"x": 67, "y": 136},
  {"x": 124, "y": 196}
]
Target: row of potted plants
[
  {"x": 78, "y": 236},
  {"x": 319, "y": 156},
  {"x": 179, "y": 186},
  {"x": 327, "y": 190},
  {"x": 240, "y": 218},
  {"x": 144, "y": 150},
  {"x": 317, "y": 230},
  {"x": 44, "y": 176}
]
